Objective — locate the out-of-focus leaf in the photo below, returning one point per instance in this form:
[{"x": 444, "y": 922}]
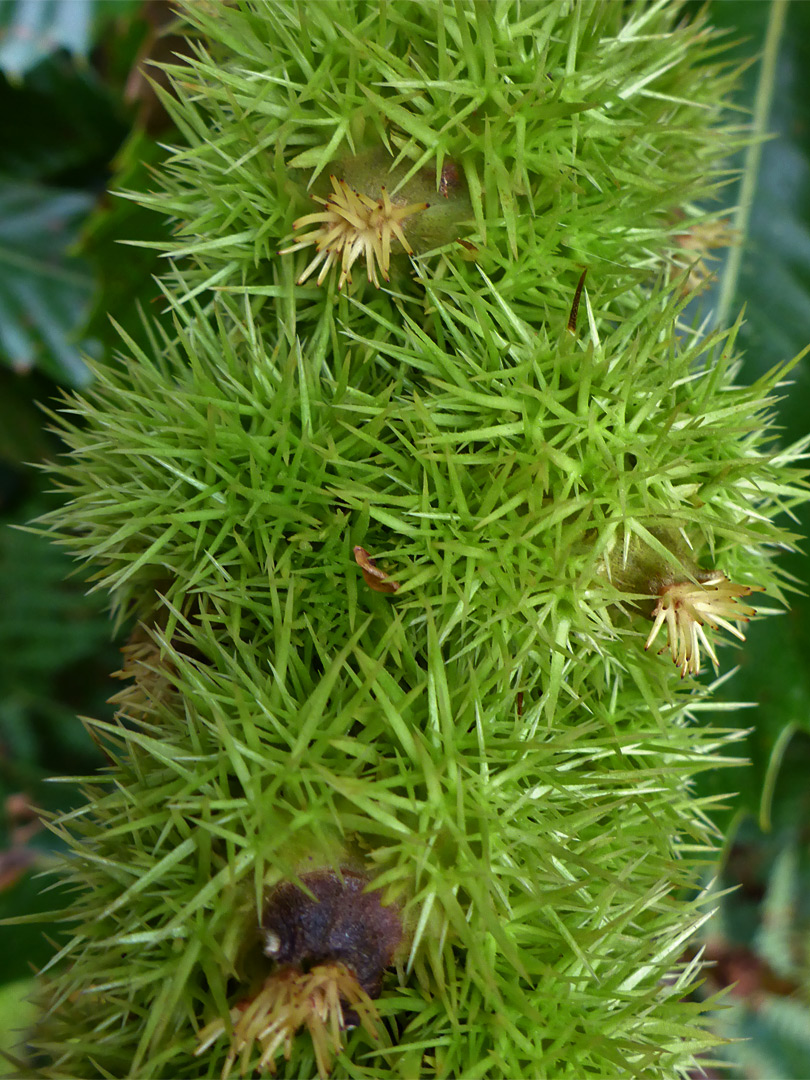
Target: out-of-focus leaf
[
  {"x": 774, "y": 1038},
  {"x": 22, "y": 438},
  {"x": 61, "y": 126},
  {"x": 126, "y": 285},
  {"x": 774, "y": 288},
  {"x": 55, "y": 655},
  {"x": 39, "y": 607},
  {"x": 31, "y": 30},
  {"x": 54, "y": 647},
  {"x": 776, "y": 937},
  {"x": 44, "y": 293},
  {"x": 16, "y": 1012},
  {"x": 767, "y": 911}
]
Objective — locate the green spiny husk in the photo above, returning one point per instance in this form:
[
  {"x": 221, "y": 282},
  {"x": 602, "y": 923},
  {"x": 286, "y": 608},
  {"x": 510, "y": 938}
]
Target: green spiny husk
[
  {"x": 490, "y": 741},
  {"x": 583, "y": 135}
]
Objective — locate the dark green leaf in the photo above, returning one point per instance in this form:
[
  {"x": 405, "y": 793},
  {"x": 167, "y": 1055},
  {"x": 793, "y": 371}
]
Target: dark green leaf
[
  {"x": 60, "y": 126},
  {"x": 125, "y": 276},
  {"x": 774, "y": 287},
  {"x": 44, "y": 292}
]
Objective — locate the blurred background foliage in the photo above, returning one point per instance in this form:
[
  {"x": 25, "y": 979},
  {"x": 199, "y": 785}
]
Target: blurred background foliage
[
  {"x": 77, "y": 116},
  {"x": 760, "y": 939}
]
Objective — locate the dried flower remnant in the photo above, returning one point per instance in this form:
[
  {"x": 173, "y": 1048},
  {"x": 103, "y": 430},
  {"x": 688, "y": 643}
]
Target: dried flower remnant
[
  {"x": 331, "y": 944},
  {"x": 289, "y": 1000},
  {"x": 148, "y": 676},
  {"x": 698, "y": 242},
  {"x": 687, "y": 606},
  {"x": 375, "y": 578},
  {"x": 350, "y": 226}
]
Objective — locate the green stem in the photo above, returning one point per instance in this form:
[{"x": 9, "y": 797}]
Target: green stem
[{"x": 762, "y": 108}]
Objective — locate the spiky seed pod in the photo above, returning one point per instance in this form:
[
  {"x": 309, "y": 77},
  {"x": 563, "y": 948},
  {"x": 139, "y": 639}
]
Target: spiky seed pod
[
  {"x": 553, "y": 492},
  {"x": 311, "y": 702},
  {"x": 492, "y": 742},
  {"x": 499, "y": 125}
]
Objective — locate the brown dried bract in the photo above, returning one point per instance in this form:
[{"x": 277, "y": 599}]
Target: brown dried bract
[
  {"x": 572, "y": 318},
  {"x": 450, "y": 179},
  {"x": 375, "y": 578}
]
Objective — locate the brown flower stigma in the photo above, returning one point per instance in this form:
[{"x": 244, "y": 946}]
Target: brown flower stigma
[
  {"x": 687, "y": 606},
  {"x": 351, "y": 226},
  {"x": 375, "y": 578}
]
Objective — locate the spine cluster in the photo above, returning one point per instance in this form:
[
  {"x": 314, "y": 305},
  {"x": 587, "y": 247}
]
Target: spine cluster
[{"x": 398, "y": 787}]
